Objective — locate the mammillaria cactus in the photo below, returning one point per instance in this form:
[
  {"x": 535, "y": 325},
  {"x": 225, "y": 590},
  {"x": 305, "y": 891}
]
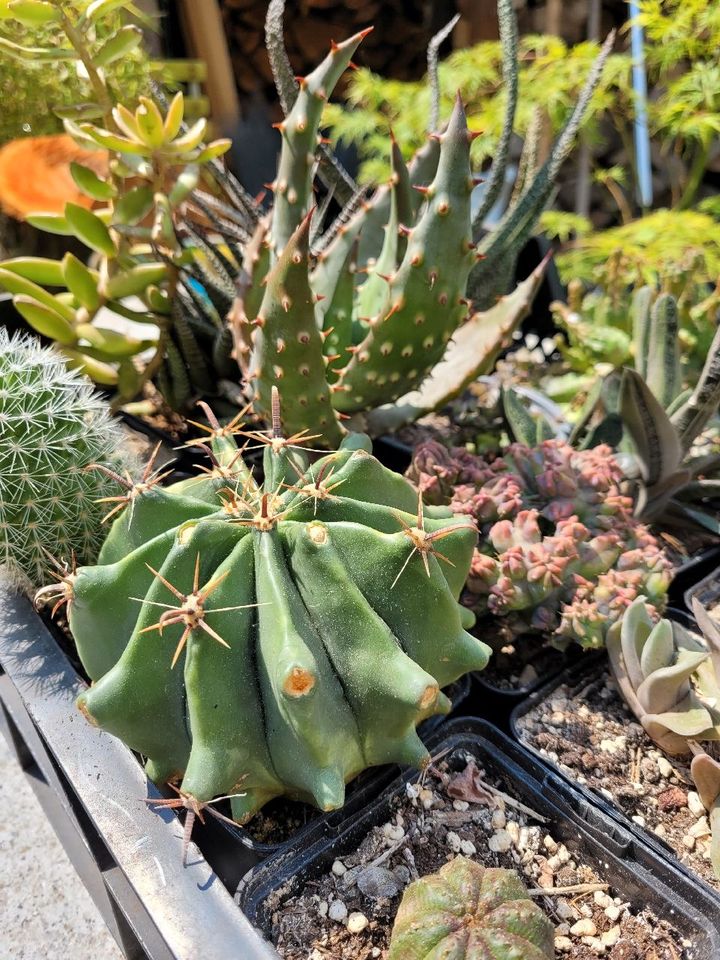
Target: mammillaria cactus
[
  {"x": 274, "y": 639},
  {"x": 559, "y": 549},
  {"x": 53, "y": 426},
  {"x": 668, "y": 678},
  {"x": 469, "y": 912}
]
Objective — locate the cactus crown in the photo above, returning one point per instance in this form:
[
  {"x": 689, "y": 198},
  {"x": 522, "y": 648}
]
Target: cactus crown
[
  {"x": 233, "y": 629},
  {"x": 668, "y": 678},
  {"x": 53, "y": 427},
  {"x": 559, "y": 549},
  {"x": 469, "y": 912}
]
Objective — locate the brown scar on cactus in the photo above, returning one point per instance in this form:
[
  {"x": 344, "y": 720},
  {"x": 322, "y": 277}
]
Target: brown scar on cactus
[
  {"x": 191, "y": 611},
  {"x": 150, "y": 478},
  {"x": 422, "y": 541}
]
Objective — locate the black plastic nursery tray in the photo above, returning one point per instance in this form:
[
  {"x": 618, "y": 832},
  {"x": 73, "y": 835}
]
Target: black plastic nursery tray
[
  {"x": 700, "y": 577},
  {"x": 576, "y": 677},
  {"x": 636, "y": 873},
  {"x": 707, "y": 590}
]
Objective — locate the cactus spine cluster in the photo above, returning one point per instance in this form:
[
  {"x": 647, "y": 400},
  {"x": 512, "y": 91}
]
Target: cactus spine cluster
[
  {"x": 559, "y": 548},
  {"x": 53, "y": 427},
  {"x": 234, "y": 632},
  {"x": 469, "y": 912}
]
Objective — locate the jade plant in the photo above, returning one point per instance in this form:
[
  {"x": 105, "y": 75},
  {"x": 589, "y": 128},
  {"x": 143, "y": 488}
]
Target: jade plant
[
  {"x": 470, "y": 912},
  {"x": 559, "y": 551},
  {"x": 667, "y": 676},
  {"x": 233, "y": 630},
  {"x": 53, "y": 429}
]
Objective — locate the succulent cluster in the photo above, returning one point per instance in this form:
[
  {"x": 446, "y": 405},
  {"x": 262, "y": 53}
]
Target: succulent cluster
[
  {"x": 53, "y": 428},
  {"x": 559, "y": 549},
  {"x": 469, "y": 912},
  {"x": 233, "y": 630},
  {"x": 668, "y": 677}
]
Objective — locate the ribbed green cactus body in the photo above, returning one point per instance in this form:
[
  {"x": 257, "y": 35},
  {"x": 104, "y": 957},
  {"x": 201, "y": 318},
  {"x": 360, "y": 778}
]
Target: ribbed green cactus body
[
  {"x": 330, "y": 654},
  {"x": 469, "y": 912},
  {"x": 53, "y": 427}
]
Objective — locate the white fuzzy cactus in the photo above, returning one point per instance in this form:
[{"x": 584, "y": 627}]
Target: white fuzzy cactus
[{"x": 53, "y": 426}]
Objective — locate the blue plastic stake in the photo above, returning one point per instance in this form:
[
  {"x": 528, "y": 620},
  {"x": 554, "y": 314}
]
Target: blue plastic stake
[{"x": 642, "y": 135}]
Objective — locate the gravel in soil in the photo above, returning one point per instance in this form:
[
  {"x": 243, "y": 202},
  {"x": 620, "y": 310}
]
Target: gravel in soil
[
  {"x": 347, "y": 912},
  {"x": 587, "y": 730}
]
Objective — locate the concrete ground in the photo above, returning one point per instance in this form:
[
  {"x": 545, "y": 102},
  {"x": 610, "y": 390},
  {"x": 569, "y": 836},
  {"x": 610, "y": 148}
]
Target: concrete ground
[{"x": 45, "y": 911}]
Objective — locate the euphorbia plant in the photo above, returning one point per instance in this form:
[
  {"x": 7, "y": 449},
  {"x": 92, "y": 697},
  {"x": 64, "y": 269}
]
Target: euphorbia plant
[
  {"x": 274, "y": 638},
  {"x": 559, "y": 549}
]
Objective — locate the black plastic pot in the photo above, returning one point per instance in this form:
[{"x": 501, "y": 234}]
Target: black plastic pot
[
  {"x": 636, "y": 872},
  {"x": 496, "y": 704},
  {"x": 693, "y": 578},
  {"x": 576, "y": 677},
  {"x": 707, "y": 590}
]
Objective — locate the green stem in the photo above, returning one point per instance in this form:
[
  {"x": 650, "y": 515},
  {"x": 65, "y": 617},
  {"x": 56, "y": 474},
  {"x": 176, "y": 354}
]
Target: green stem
[{"x": 697, "y": 171}]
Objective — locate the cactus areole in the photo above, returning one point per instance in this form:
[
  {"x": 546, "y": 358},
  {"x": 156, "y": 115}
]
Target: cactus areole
[{"x": 259, "y": 640}]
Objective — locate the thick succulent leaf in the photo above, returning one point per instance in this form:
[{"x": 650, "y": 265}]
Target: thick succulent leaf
[
  {"x": 659, "y": 648},
  {"x": 640, "y": 312},
  {"x": 637, "y": 625},
  {"x": 692, "y": 417},
  {"x": 654, "y": 437},
  {"x": 522, "y": 426},
  {"x": 705, "y": 772},
  {"x": 663, "y": 362},
  {"x": 664, "y": 689}
]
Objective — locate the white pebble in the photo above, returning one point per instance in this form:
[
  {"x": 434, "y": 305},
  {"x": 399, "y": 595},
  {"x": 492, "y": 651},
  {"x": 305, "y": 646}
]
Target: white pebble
[
  {"x": 610, "y": 937},
  {"x": 660, "y": 830},
  {"x": 700, "y": 829},
  {"x": 695, "y": 804},
  {"x": 602, "y": 899},
  {"x": 427, "y": 798},
  {"x": 563, "y": 944},
  {"x": 500, "y": 842},
  {"x": 412, "y": 791},
  {"x": 565, "y": 910},
  {"x": 549, "y": 844},
  {"x": 338, "y": 911},
  {"x": 498, "y": 819},
  {"x": 665, "y": 767},
  {"x": 323, "y": 908},
  {"x": 453, "y": 841},
  {"x": 639, "y": 819},
  {"x": 467, "y": 848},
  {"x": 513, "y": 828},
  {"x": 584, "y": 928},
  {"x": 375, "y": 952},
  {"x": 393, "y": 832},
  {"x": 460, "y": 805},
  {"x": 688, "y": 841},
  {"x": 613, "y": 913},
  {"x": 357, "y": 922},
  {"x": 339, "y": 868}
]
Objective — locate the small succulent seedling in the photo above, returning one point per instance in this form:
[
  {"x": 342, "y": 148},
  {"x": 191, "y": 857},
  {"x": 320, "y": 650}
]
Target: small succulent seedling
[
  {"x": 469, "y": 912},
  {"x": 668, "y": 677},
  {"x": 559, "y": 548},
  {"x": 284, "y": 634}
]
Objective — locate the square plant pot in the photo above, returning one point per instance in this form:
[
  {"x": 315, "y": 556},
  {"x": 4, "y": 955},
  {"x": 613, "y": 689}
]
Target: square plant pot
[
  {"x": 576, "y": 680},
  {"x": 635, "y": 873}
]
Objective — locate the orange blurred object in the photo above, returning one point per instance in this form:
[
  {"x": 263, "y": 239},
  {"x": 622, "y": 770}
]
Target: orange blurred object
[{"x": 35, "y": 174}]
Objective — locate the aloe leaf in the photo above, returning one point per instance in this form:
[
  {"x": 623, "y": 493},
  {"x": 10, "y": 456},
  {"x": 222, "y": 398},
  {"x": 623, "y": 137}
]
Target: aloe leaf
[{"x": 654, "y": 437}]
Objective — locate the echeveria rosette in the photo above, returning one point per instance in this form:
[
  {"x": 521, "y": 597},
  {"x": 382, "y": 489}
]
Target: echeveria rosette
[
  {"x": 273, "y": 639},
  {"x": 559, "y": 550},
  {"x": 469, "y": 912}
]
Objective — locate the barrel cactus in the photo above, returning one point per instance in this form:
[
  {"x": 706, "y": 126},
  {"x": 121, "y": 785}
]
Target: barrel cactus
[
  {"x": 469, "y": 912},
  {"x": 559, "y": 550},
  {"x": 259, "y": 640},
  {"x": 53, "y": 427}
]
